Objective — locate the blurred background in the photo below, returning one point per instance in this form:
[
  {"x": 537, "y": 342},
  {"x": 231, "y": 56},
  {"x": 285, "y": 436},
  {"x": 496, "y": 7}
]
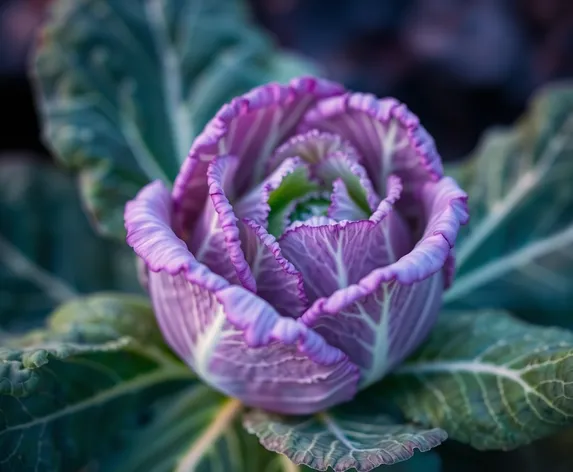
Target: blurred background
[{"x": 461, "y": 65}]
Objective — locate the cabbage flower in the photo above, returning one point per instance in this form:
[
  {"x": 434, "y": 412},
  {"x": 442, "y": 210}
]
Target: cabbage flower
[{"x": 305, "y": 246}]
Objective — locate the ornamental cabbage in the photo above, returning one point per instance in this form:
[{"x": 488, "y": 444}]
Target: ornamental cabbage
[{"x": 305, "y": 247}]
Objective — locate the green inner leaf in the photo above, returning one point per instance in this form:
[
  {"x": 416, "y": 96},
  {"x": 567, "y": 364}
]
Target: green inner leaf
[
  {"x": 357, "y": 192},
  {"x": 489, "y": 380},
  {"x": 314, "y": 205},
  {"x": 294, "y": 186}
]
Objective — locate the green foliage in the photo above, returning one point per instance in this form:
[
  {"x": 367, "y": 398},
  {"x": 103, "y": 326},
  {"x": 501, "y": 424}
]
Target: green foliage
[
  {"x": 69, "y": 395},
  {"x": 489, "y": 380},
  {"x": 516, "y": 253},
  {"x": 103, "y": 317},
  {"x": 122, "y": 103},
  {"x": 195, "y": 430},
  {"x": 294, "y": 186},
  {"x": 48, "y": 251},
  {"x": 97, "y": 389},
  {"x": 357, "y": 436}
]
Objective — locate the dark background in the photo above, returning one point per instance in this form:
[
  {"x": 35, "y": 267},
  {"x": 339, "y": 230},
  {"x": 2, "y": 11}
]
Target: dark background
[{"x": 460, "y": 65}]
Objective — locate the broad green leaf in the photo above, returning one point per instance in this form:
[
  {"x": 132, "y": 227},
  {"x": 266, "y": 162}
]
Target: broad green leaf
[
  {"x": 489, "y": 380},
  {"x": 48, "y": 251},
  {"x": 195, "y": 430},
  {"x": 356, "y": 436},
  {"x": 199, "y": 430},
  {"x": 121, "y": 104},
  {"x": 103, "y": 317},
  {"x": 70, "y": 396},
  {"x": 516, "y": 253}
]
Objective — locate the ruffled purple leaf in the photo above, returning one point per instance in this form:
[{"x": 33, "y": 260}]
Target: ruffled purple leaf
[
  {"x": 254, "y": 205},
  {"x": 381, "y": 318},
  {"x": 230, "y": 337},
  {"x": 328, "y": 257},
  {"x": 342, "y": 205},
  {"x": 284, "y": 366},
  {"x": 312, "y": 147},
  {"x": 388, "y": 137},
  {"x": 241, "y": 346},
  {"x": 148, "y": 224},
  {"x": 249, "y": 127},
  {"x": 312, "y": 221},
  {"x": 278, "y": 282},
  {"x": 359, "y": 187},
  {"x": 215, "y": 240}
]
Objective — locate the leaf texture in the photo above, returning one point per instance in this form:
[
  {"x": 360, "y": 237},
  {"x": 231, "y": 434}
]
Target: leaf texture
[
  {"x": 341, "y": 440},
  {"x": 48, "y": 251},
  {"x": 195, "y": 430},
  {"x": 122, "y": 104},
  {"x": 489, "y": 380},
  {"x": 516, "y": 253},
  {"x": 69, "y": 396}
]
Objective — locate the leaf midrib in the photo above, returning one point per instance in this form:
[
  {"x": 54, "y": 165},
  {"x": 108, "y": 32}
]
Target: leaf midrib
[
  {"x": 21, "y": 265},
  {"x": 171, "y": 80},
  {"x": 223, "y": 419},
  {"x": 520, "y": 189},
  {"x": 139, "y": 382},
  {"x": 475, "y": 368},
  {"x": 510, "y": 261}
]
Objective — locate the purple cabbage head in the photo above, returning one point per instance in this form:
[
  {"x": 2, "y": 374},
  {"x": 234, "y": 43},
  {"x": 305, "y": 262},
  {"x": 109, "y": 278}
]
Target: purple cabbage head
[{"x": 305, "y": 246}]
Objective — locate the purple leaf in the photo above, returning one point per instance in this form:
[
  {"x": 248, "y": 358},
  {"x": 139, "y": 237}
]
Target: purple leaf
[
  {"x": 312, "y": 147},
  {"x": 240, "y": 345},
  {"x": 249, "y": 127},
  {"x": 215, "y": 240},
  {"x": 277, "y": 192},
  {"x": 327, "y": 256},
  {"x": 388, "y": 137},
  {"x": 148, "y": 224},
  {"x": 358, "y": 186},
  {"x": 278, "y": 282},
  {"x": 342, "y": 205},
  {"x": 381, "y": 318},
  {"x": 230, "y": 337}
]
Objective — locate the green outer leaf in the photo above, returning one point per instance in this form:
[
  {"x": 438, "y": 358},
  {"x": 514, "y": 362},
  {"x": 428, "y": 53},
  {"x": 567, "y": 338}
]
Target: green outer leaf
[
  {"x": 67, "y": 399},
  {"x": 48, "y": 251},
  {"x": 122, "y": 104},
  {"x": 195, "y": 430},
  {"x": 516, "y": 252},
  {"x": 198, "y": 429},
  {"x": 341, "y": 439},
  {"x": 102, "y": 317},
  {"x": 489, "y": 380}
]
